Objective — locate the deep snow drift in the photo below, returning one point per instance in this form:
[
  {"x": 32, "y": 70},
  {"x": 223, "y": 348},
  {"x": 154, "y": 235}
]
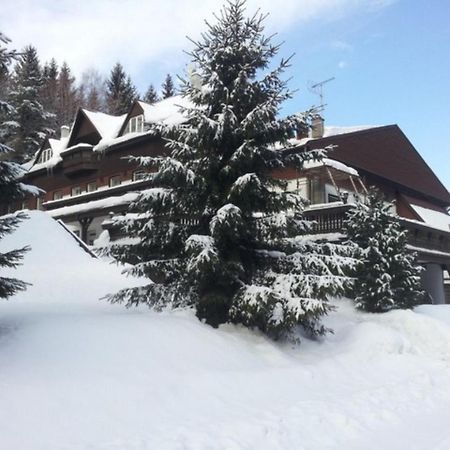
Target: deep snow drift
[{"x": 78, "y": 373}]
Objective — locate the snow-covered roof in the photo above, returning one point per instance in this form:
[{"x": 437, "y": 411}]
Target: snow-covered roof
[
  {"x": 333, "y": 130},
  {"x": 435, "y": 219},
  {"x": 327, "y": 162},
  {"x": 57, "y": 146},
  {"x": 166, "y": 111},
  {"x": 108, "y": 126},
  {"x": 103, "y": 203}
]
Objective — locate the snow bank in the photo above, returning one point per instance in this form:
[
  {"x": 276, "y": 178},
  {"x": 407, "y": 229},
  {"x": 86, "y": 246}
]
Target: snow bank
[{"x": 79, "y": 374}]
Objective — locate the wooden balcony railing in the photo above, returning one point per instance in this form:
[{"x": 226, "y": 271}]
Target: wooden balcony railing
[{"x": 329, "y": 218}]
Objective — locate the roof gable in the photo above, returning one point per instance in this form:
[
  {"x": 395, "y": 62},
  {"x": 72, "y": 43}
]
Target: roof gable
[
  {"x": 135, "y": 110},
  {"x": 386, "y": 152},
  {"x": 89, "y": 127}
]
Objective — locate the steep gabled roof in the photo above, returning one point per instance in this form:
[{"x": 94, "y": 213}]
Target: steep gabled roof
[
  {"x": 105, "y": 125},
  {"x": 165, "y": 111},
  {"x": 56, "y": 145},
  {"x": 387, "y": 153}
]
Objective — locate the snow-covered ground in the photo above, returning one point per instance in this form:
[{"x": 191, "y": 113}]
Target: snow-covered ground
[{"x": 78, "y": 373}]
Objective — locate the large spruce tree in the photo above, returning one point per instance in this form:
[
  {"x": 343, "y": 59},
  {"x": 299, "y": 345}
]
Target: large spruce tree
[
  {"x": 387, "y": 276},
  {"x": 29, "y": 123},
  {"x": 10, "y": 189},
  {"x": 120, "y": 91},
  {"x": 216, "y": 231}
]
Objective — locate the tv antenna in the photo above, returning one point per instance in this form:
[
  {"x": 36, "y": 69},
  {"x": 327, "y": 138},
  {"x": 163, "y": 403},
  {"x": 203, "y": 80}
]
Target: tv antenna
[{"x": 317, "y": 88}]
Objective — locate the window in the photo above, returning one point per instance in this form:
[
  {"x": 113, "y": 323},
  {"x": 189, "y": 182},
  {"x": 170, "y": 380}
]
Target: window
[
  {"x": 45, "y": 155},
  {"x": 115, "y": 181},
  {"x": 24, "y": 205},
  {"x": 135, "y": 124},
  {"x": 92, "y": 186},
  {"x": 57, "y": 195},
  {"x": 139, "y": 175},
  {"x": 92, "y": 236},
  {"x": 332, "y": 198},
  {"x": 39, "y": 201},
  {"x": 76, "y": 190}
]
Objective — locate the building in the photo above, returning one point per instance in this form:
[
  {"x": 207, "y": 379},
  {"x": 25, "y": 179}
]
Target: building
[{"x": 87, "y": 177}]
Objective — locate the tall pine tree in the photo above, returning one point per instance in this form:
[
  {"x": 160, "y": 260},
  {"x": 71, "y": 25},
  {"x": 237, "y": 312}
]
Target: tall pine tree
[
  {"x": 387, "y": 276},
  {"x": 120, "y": 91},
  {"x": 151, "y": 96},
  {"x": 10, "y": 189},
  {"x": 49, "y": 90},
  {"x": 29, "y": 122},
  {"x": 216, "y": 231},
  {"x": 92, "y": 91},
  {"x": 67, "y": 97},
  {"x": 168, "y": 89}
]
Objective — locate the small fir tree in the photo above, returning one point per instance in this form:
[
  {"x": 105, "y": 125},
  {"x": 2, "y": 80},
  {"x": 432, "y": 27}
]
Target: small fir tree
[
  {"x": 10, "y": 189},
  {"x": 120, "y": 91},
  {"x": 387, "y": 276},
  {"x": 168, "y": 88},
  {"x": 151, "y": 96},
  {"x": 216, "y": 231}
]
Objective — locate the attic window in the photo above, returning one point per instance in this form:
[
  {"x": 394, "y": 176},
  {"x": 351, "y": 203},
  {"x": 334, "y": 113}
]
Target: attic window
[
  {"x": 45, "y": 155},
  {"x": 135, "y": 124}
]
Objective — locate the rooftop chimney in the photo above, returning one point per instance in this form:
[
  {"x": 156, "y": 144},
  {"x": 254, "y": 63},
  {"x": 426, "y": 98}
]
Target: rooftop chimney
[
  {"x": 317, "y": 126},
  {"x": 65, "y": 131}
]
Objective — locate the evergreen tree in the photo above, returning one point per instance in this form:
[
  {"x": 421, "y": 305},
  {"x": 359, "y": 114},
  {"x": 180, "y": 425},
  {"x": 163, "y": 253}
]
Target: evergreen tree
[
  {"x": 387, "y": 276},
  {"x": 67, "y": 97},
  {"x": 216, "y": 231},
  {"x": 168, "y": 89},
  {"x": 49, "y": 90},
  {"x": 10, "y": 190},
  {"x": 120, "y": 91},
  {"x": 92, "y": 91},
  {"x": 151, "y": 96},
  {"x": 29, "y": 123}
]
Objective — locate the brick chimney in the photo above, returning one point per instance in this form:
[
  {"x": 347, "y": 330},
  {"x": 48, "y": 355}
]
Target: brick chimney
[
  {"x": 317, "y": 126},
  {"x": 65, "y": 131}
]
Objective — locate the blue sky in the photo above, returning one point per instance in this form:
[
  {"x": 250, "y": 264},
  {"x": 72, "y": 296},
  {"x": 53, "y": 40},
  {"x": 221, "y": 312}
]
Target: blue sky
[{"x": 390, "y": 58}]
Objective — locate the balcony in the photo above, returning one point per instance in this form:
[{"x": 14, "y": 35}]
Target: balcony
[
  {"x": 430, "y": 243},
  {"x": 79, "y": 160}
]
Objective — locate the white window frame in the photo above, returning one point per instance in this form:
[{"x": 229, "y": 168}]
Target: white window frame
[
  {"x": 91, "y": 186},
  {"x": 135, "y": 124},
  {"x": 113, "y": 183},
  {"x": 39, "y": 201},
  {"x": 76, "y": 190},
  {"x": 57, "y": 195},
  {"x": 45, "y": 155},
  {"x": 139, "y": 175}
]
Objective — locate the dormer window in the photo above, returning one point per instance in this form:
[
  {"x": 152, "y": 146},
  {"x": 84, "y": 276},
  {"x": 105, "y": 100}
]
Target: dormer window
[
  {"x": 135, "y": 125},
  {"x": 45, "y": 155}
]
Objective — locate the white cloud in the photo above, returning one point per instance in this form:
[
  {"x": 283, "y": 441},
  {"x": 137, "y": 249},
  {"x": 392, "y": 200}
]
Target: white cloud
[
  {"x": 141, "y": 33},
  {"x": 342, "y": 64},
  {"x": 341, "y": 45}
]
